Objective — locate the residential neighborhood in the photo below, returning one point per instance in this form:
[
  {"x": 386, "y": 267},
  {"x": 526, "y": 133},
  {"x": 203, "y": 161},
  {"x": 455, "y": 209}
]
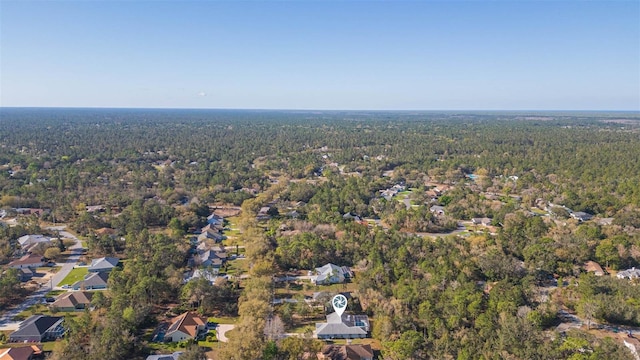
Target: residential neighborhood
[{"x": 200, "y": 250}]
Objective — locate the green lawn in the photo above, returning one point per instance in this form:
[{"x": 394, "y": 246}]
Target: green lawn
[
  {"x": 46, "y": 346},
  {"x": 237, "y": 267},
  {"x": 55, "y": 293},
  {"x": 223, "y": 320},
  {"x": 76, "y": 274},
  {"x": 233, "y": 233},
  {"x": 209, "y": 344}
]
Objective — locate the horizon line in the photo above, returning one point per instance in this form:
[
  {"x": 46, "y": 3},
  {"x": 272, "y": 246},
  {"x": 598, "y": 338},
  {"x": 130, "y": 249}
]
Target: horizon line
[{"x": 311, "y": 109}]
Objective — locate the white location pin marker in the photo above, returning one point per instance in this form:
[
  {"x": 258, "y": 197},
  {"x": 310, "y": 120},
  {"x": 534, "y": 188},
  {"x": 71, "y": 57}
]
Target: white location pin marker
[{"x": 339, "y": 303}]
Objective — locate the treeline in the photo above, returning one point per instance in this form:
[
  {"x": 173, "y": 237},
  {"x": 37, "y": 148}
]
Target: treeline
[{"x": 96, "y": 156}]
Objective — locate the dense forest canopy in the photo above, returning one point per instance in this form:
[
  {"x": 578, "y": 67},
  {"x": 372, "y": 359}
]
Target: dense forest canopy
[{"x": 586, "y": 154}]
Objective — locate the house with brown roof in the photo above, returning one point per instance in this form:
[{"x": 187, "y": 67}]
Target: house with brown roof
[
  {"x": 184, "y": 327},
  {"x": 27, "y": 261},
  {"x": 21, "y": 353},
  {"x": 593, "y": 267},
  {"x": 73, "y": 301},
  {"x": 38, "y": 328},
  {"x": 346, "y": 352}
]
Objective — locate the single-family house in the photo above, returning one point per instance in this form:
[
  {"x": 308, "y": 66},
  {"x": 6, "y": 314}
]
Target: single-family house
[
  {"x": 174, "y": 356},
  {"x": 29, "y": 241},
  {"x": 30, "y": 211},
  {"x": 581, "y": 216},
  {"x": 263, "y": 214},
  {"x": 212, "y": 258},
  {"x": 211, "y": 234},
  {"x": 21, "y": 353},
  {"x": 215, "y": 219},
  {"x": 437, "y": 209},
  {"x": 72, "y": 301},
  {"x": 103, "y": 264},
  {"x": 95, "y": 208},
  {"x": 343, "y": 327},
  {"x": 630, "y": 274},
  {"x": 346, "y": 352},
  {"x": 593, "y": 267},
  {"x": 212, "y": 227},
  {"x": 186, "y": 326},
  {"x": 92, "y": 281},
  {"x": 210, "y": 274},
  {"x": 350, "y": 216},
  {"x": 481, "y": 221},
  {"x": 332, "y": 274},
  {"x": 38, "y": 328},
  {"x": 27, "y": 261},
  {"x": 26, "y": 274}
]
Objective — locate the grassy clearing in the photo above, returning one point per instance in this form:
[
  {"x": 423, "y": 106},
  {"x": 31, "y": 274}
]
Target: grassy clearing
[
  {"x": 44, "y": 309},
  {"x": 237, "y": 267},
  {"x": 223, "y": 320},
  {"x": 538, "y": 211},
  {"x": 336, "y": 287},
  {"x": 76, "y": 274},
  {"x": 55, "y": 293}
]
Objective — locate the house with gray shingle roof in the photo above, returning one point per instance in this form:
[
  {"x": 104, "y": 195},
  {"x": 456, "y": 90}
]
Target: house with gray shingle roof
[
  {"x": 212, "y": 258},
  {"x": 215, "y": 219},
  {"x": 104, "y": 264},
  {"x": 174, "y": 356},
  {"x": 343, "y": 327},
  {"x": 630, "y": 274},
  {"x": 581, "y": 216},
  {"x": 93, "y": 281},
  {"x": 38, "y": 328},
  {"x": 211, "y": 234},
  {"x": 28, "y": 241}
]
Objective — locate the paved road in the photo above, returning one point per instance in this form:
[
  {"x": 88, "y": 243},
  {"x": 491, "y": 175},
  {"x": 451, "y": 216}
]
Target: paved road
[
  {"x": 72, "y": 260},
  {"x": 6, "y": 322}
]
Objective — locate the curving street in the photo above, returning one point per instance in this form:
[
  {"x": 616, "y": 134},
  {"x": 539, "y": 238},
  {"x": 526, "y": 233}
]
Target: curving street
[{"x": 6, "y": 320}]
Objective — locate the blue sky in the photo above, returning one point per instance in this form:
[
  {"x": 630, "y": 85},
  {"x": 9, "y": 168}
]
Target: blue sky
[{"x": 394, "y": 55}]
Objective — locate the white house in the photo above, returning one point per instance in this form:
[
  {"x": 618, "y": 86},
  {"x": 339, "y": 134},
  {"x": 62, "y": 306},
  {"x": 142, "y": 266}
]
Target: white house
[
  {"x": 630, "y": 274},
  {"x": 343, "y": 327},
  {"x": 332, "y": 274}
]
